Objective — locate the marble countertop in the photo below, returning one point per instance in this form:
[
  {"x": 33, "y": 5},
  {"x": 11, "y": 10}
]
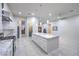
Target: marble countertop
[{"x": 45, "y": 35}]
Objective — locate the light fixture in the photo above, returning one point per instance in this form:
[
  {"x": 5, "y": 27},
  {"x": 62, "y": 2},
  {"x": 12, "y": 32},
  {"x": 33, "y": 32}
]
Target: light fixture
[
  {"x": 36, "y": 24},
  {"x": 50, "y": 14},
  {"x": 19, "y": 13},
  {"x": 33, "y": 14},
  {"x": 47, "y": 21},
  {"x": 59, "y": 17},
  {"x": 40, "y": 23},
  {"x": 33, "y": 19}
]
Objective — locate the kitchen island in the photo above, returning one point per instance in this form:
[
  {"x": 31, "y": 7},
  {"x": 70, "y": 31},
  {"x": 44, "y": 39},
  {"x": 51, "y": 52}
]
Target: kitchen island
[{"x": 46, "y": 42}]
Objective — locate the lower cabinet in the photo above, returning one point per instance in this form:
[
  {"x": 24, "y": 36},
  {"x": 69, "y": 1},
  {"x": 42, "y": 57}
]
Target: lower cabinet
[
  {"x": 7, "y": 48},
  {"x": 42, "y": 43},
  {"x": 48, "y": 45},
  {"x": 10, "y": 51}
]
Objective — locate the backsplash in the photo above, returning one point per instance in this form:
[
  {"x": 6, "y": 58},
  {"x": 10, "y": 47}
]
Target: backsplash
[{"x": 8, "y": 32}]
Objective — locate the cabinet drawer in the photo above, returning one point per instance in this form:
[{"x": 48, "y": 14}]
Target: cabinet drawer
[{"x": 41, "y": 42}]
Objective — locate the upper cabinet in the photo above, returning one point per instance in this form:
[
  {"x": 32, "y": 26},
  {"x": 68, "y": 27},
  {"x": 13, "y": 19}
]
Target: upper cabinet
[
  {"x": 7, "y": 17},
  {"x": 8, "y": 23},
  {"x": 0, "y": 19},
  {"x": 5, "y": 13},
  {"x": 0, "y": 10}
]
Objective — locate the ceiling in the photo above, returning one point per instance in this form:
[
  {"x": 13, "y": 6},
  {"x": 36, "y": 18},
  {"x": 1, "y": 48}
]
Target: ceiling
[{"x": 57, "y": 10}]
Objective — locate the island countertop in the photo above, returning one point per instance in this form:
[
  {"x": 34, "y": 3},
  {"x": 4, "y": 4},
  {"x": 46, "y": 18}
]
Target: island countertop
[{"x": 46, "y": 35}]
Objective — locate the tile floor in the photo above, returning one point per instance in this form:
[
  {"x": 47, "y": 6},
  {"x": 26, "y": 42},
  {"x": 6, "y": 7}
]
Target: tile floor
[{"x": 67, "y": 47}]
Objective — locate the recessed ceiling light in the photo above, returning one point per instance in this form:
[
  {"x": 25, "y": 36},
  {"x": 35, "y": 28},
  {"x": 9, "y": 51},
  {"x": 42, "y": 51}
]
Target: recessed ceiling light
[
  {"x": 40, "y": 23},
  {"x": 33, "y": 14},
  {"x": 58, "y": 17},
  {"x": 47, "y": 21},
  {"x": 19, "y": 13},
  {"x": 33, "y": 19},
  {"x": 50, "y": 14}
]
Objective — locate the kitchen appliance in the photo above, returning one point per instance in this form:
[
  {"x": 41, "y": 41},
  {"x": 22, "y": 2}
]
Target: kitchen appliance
[{"x": 5, "y": 18}]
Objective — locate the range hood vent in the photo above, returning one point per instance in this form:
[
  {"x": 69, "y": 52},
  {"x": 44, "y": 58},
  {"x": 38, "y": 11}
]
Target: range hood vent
[{"x": 5, "y": 18}]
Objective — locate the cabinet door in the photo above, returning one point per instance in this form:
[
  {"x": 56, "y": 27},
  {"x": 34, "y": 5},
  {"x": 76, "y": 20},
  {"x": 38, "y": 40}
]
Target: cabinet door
[
  {"x": 42, "y": 43},
  {"x": 35, "y": 38},
  {"x": 0, "y": 9},
  {"x": 0, "y": 18}
]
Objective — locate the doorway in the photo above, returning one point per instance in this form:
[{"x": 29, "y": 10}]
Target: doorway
[
  {"x": 30, "y": 28},
  {"x": 23, "y": 28}
]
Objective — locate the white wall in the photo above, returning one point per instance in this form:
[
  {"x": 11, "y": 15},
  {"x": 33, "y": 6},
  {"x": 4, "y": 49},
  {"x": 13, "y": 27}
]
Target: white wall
[
  {"x": 69, "y": 33},
  {"x": 52, "y": 24},
  {"x": 69, "y": 27},
  {"x": 54, "y": 32},
  {"x": 34, "y": 22}
]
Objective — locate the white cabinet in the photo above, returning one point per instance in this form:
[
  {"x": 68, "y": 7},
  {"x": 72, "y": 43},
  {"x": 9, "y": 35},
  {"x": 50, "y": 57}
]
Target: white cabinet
[
  {"x": 0, "y": 19},
  {"x": 0, "y": 24},
  {"x": 9, "y": 26},
  {"x": 10, "y": 50},
  {"x": 6, "y": 47},
  {"x": 0, "y": 9},
  {"x": 47, "y": 44},
  {"x": 41, "y": 42}
]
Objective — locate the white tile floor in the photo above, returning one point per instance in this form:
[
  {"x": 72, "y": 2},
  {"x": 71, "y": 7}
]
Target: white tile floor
[{"x": 67, "y": 47}]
